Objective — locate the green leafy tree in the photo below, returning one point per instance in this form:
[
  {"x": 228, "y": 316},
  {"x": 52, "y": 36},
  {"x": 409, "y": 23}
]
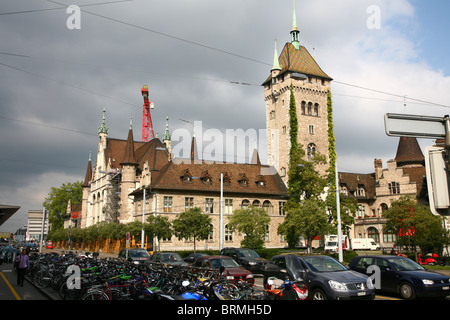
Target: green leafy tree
[
  {"x": 253, "y": 223},
  {"x": 347, "y": 205},
  {"x": 192, "y": 224},
  {"x": 57, "y": 199},
  {"x": 304, "y": 183},
  {"x": 308, "y": 220},
  {"x": 415, "y": 225},
  {"x": 158, "y": 227}
]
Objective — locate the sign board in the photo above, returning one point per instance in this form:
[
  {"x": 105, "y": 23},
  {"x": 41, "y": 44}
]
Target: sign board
[
  {"x": 128, "y": 240},
  {"x": 404, "y": 125},
  {"x": 437, "y": 181}
]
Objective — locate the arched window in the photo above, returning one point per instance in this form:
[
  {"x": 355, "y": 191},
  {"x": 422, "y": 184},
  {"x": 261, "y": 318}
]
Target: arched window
[
  {"x": 316, "y": 109},
  {"x": 268, "y": 207},
  {"x": 256, "y": 203},
  {"x": 311, "y": 150},
  {"x": 245, "y": 204},
  {"x": 374, "y": 234},
  {"x": 303, "y": 107}
]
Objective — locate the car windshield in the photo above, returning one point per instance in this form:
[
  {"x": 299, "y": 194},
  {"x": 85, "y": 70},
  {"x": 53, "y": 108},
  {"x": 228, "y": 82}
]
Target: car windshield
[
  {"x": 247, "y": 253},
  {"x": 404, "y": 264},
  {"x": 324, "y": 264},
  {"x": 171, "y": 257},
  {"x": 227, "y": 263},
  {"x": 138, "y": 253}
]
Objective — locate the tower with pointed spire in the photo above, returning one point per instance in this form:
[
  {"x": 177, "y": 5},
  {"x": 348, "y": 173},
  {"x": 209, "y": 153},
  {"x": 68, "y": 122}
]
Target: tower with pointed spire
[
  {"x": 167, "y": 139},
  {"x": 311, "y": 84},
  {"x": 128, "y": 179}
]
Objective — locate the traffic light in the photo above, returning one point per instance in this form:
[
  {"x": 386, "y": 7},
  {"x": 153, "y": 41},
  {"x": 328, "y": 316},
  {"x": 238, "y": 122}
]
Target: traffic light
[{"x": 437, "y": 180}]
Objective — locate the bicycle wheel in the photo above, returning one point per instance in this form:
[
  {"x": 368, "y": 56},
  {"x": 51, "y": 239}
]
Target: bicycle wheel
[
  {"x": 43, "y": 279},
  {"x": 95, "y": 295}
]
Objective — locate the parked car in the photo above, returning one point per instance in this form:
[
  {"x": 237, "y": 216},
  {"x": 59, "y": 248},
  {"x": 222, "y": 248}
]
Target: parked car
[
  {"x": 232, "y": 270},
  {"x": 135, "y": 255},
  {"x": 193, "y": 256},
  {"x": 325, "y": 277},
  {"x": 171, "y": 258},
  {"x": 401, "y": 275},
  {"x": 247, "y": 258}
]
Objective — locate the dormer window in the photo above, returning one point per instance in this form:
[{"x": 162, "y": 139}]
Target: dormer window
[
  {"x": 360, "y": 192},
  {"x": 186, "y": 176},
  {"x": 226, "y": 178},
  {"x": 260, "y": 181},
  {"x": 243, "y": 180},
  {"x": 206, "y": 177}
]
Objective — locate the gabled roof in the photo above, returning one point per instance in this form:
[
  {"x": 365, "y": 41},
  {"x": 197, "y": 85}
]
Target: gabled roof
[{"x": 300, "y": 61}]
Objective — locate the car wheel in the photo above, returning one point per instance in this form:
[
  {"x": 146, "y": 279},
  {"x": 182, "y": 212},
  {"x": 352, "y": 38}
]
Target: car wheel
[
  {"x": 318, "y": 294},
  {"x": 406, "y": 291}
]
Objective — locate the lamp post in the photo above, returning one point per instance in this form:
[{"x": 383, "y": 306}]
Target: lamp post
[
  {"x": 221, "y": 214},
  {"x": 338, "y": 213},
  {"x": 143, "y": 220}
]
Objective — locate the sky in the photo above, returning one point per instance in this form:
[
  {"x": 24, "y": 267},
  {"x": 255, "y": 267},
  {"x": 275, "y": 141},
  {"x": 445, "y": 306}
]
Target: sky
[{"x": 203, "y": 60}]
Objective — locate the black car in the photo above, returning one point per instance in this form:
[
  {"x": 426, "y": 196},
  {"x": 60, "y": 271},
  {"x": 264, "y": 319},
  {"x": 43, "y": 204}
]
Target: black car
[
  {"x": 247, "y": 258},
  {"x": 403, "y": 276},
  {"x": 135, "y": 255},
  {"x": 325, "y": 277},
  {"x": 170, "y": 258}
]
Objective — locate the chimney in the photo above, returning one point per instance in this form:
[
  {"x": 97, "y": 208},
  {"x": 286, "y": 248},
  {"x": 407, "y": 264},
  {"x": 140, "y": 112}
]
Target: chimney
[{"x": 378, "y": 164}]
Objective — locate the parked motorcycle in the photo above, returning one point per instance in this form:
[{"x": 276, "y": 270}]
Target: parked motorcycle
[{"x": 288, "y": 290}]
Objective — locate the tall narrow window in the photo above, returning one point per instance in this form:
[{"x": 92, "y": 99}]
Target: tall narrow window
[
  {"x": 209, "y": 205},
  {"x": 188, "y": 203},
  {"x": 167, "y": 204},
  {"x": 228, "y": 206}
]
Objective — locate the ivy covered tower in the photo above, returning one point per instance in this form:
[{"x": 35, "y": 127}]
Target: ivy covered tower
[{"x": 311, "y": 84}]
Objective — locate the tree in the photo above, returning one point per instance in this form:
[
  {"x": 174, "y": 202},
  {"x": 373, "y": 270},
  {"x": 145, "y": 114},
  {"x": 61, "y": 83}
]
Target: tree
[
  {"x": 192, "y": 224},
  {"x": 347, "y": 205},
  {"x": 304, "y": 183},
  {"x": 253, "y": 223},
  {"x": 308, "y": 220},
  {"x": 57, "y": 199},
  {"x": 159, "y": 227},
  {"x": 415, "y": 225}
]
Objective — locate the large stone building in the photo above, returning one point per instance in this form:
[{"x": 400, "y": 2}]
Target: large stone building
[
  {"x": 404, "y": 175},
  {"x": 131, "y": 179},
  {"x": 295, "y": 66}
]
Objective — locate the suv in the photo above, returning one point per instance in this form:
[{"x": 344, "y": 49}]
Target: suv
[
  {"x": 247, "y": 258},
  {"x": 137, "y": 256}
]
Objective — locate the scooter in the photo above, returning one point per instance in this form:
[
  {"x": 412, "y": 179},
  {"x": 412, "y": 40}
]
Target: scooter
[
  {"x": 428, "y": 261},
  {"x": 288, "y": 290}
]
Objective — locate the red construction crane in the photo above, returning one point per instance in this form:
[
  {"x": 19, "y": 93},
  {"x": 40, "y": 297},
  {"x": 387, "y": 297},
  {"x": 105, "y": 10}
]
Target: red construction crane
[{"x": 147, "y": 125}]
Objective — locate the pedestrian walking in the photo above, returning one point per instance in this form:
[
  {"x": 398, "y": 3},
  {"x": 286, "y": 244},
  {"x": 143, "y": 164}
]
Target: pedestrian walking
[{"x": 22, "y": 267}]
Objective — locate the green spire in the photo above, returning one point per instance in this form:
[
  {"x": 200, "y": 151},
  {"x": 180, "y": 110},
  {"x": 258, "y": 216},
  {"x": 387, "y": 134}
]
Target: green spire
[
  {"x": 295, "y": 32},
  {"x": 166, "y": 133},
  {"x": 276, "y": 62},
  {"x": 103, "y": 128}
]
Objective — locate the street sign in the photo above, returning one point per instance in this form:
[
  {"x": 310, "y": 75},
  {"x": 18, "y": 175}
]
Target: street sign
[
  {"x": 437, "y": 181},
  {"x": 405, "y": 125}
]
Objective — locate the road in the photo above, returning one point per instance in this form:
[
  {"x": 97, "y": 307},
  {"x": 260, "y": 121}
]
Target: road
[{"x": 9, "y": 289}]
